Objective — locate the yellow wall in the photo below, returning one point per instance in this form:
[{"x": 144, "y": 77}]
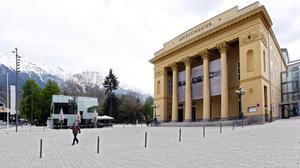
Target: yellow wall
[{"x": 251, "y": 33}]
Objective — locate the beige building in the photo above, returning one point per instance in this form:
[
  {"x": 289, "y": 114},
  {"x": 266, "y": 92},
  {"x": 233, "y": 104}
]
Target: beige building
[{"x": 235, "y": 49}]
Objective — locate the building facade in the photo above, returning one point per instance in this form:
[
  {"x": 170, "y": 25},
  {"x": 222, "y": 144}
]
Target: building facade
[
  {"x": 290, "y": 88},
  {"x": 71, "y": 106},
  {"x": 197, "y": 73}
]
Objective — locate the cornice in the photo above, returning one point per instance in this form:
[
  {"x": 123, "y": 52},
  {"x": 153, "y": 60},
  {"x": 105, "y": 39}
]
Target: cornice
[{"x": 258, "y": 12}]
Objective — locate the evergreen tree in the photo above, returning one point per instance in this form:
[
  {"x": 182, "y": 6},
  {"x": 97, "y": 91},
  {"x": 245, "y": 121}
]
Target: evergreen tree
[
  {"x": 110, "y": 84},
  {"x": 31, "y": 100},
  {"x": 147, "y": 109},
  {"x": 50, "y": 89},
  {"x": 112, "y": 101}
]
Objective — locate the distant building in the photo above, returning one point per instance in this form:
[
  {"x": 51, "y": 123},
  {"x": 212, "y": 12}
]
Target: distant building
[
  {"x": 290, "y": 89},
  {"x": 71, "y": 106}
]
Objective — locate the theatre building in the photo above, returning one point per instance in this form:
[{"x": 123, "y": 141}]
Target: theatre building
[{"x": 197, "y": 74}]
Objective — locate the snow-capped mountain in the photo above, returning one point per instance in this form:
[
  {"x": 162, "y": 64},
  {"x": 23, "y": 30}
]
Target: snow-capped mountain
[
  {"x": 87, "y": 78},
  {"x": 29, "y": 67},
  {"x": 41, "y": 73}
]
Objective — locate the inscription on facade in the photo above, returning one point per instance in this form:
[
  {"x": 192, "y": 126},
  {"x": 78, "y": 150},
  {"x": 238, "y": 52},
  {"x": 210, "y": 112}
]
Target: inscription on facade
[{"x": 194, "y": 31}]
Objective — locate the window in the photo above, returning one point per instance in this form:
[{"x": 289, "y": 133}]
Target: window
[
  {"x": 68, "y": 108},
  {"x": 238, "y": 70},
  {"x": 170, "y": 86},
  {"x": 252, "y": 109},
  {"x": 250, "y": 61}
]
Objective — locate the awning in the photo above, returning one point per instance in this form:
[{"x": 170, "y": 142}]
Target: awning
[
  {"x": 3, "y": 110},
  {"x": 105, "y": 117}
]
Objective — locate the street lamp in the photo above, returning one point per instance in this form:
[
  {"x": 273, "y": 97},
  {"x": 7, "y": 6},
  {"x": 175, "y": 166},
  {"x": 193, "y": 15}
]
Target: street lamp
[
  {"x": 32, "y": 94},
  {"x": 154, "y": 107},
  {"x": 18, "y": 63},
  {"x": 240, "y": 91}
]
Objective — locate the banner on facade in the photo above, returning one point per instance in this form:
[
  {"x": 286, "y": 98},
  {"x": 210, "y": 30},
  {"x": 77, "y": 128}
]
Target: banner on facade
[
  {"x": 12, "y": 99},
  {"x": 215, "y": 77},
  {"x": 197, "y": 81},
  {"x": 181, "y": 86}
]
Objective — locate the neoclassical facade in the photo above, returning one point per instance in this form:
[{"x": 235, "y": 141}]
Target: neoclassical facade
[{"x": 197, "y": 73}]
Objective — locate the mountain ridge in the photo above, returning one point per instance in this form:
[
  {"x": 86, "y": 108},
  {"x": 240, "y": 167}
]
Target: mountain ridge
[{"x": 41, "y": 73}]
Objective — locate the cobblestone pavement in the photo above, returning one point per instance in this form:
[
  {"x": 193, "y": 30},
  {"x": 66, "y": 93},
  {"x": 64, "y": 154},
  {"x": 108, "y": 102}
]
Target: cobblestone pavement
[{"x": 270, "y": 145}]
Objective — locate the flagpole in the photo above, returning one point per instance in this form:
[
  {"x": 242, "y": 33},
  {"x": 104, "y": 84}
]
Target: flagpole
[{"x": 7, "y": 104}]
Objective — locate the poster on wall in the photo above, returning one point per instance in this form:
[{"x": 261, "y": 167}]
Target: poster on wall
[
  {"x": 215, "y": 77},
  {"x": 181, "y": 86},
  {"x": 197, "y": 81}
]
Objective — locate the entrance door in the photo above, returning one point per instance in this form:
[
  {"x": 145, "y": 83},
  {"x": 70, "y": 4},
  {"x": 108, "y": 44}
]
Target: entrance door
[
  {"x": 193, "y": 114},
  {"x": 180, "y": 115}
]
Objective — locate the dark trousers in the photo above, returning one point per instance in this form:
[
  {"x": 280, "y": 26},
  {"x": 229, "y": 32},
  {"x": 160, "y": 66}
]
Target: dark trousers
[{"x": 75, "y": 138}]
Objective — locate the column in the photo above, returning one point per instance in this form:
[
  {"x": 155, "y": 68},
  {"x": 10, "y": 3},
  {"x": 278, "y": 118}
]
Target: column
[
  {"x": 206, "y": 86},
  {"x": 175, "y": 92},
  {"x": 188, "y": 89},
  {"x": 160, "y": 98},
  {"x": 224, "y": 80}
]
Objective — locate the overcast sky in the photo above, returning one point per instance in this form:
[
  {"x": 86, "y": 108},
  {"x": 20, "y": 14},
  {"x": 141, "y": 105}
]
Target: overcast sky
[{"x": 79, "y": 35}]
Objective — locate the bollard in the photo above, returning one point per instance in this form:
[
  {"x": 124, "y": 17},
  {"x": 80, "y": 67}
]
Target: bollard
[
  {"x": 41, "y": 146},
  {"x": 203, "y": 131},
  {"x": 98, "y": 144},
  {"x": 145, "y": 139},
  {"x": 232, "y": 125},
  {"x": 220, "y": 128},
  {"x": 179, "y": 135}
]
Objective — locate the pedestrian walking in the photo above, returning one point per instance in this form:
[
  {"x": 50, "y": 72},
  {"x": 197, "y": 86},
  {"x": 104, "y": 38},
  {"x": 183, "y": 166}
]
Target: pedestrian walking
[{"x": 75, "y": 129}]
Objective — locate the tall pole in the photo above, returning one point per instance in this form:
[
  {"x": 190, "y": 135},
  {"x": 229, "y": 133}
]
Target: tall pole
[
  {"x": 7, "y": 99},
  {"x": 17, "y": 71}
]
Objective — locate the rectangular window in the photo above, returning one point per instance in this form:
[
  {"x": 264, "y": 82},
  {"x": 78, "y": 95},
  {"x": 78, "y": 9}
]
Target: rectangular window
[
  {"x": 170, "y": 86},
  {"x": 252, "y": 109},
  {"x": 238, "y": 70}
]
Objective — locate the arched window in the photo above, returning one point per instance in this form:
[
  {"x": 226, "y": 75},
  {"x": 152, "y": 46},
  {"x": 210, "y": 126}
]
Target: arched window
[{"x": 250, "y": 61}]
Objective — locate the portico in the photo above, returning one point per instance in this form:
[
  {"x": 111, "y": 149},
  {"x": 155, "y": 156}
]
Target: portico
[
  {"x": 197, "y": 72},
  {"x": 199, "y": 104}
]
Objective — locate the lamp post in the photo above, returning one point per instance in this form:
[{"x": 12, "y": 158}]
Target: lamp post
[
  {"x": 7, "y": 104},
  {"x": 17, "y": 71},
  {"x": 32, "y": 94},
  {"x": 154, "y": 107},
  {"x": 240, "y": 91}
]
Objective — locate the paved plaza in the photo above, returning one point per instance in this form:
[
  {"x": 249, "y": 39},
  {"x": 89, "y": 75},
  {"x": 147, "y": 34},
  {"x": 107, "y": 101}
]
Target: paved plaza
[{"x": 270, "y": 145}]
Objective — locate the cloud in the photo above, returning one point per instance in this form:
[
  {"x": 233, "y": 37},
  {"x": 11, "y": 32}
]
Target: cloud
[{"x": 78, "y": 35}]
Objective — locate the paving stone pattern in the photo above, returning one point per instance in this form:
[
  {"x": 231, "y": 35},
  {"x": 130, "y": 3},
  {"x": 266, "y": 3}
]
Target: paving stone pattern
[{"x": 270, "y": 145}]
